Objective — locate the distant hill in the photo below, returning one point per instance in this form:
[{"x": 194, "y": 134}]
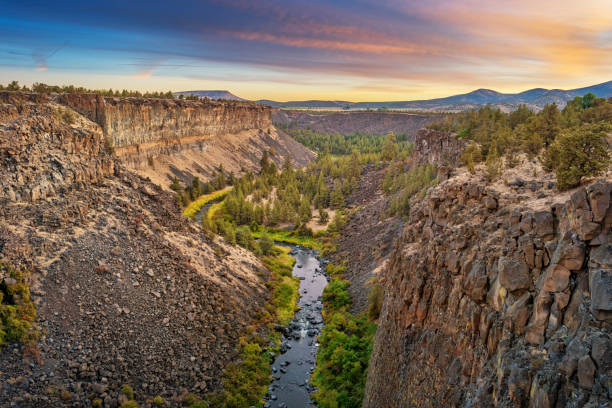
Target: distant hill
[
  {"x": 227, "y": 95},
  {"x": 535, "y": 98}
]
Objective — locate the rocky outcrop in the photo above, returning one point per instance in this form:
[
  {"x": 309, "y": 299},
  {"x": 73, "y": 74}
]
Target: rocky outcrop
[
  {"x": 440, "y": 148},
  {"x": 498, "y": 296},
  {"x": 34, "y": 140},
  {"x": 127, "y": 290},
  {"x": 141, "y": 128}
]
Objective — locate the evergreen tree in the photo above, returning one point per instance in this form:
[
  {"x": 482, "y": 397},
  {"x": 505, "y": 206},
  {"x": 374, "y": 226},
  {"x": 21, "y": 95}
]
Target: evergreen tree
[
  {"x": 548, "y": 124},
  {"x": 390, "y": 150},
  {"x": 579, "y": 153},
  {"x": 266, "y": 244}
]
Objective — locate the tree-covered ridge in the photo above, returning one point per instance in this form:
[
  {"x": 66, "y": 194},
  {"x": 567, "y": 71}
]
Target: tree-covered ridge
[
  {"x": 337, "y": 144},
  {"x": 39, "y": 87},
  {"x": 572, "y": 142}
]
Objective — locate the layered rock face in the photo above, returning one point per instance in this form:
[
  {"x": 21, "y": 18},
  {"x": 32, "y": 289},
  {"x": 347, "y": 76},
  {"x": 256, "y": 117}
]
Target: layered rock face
[
  {"x": 162, "y": 139},
  {"x": 127, "y": 290},
  {"x": 498, "y": 296},
  {"x": 141, "y": 128}
]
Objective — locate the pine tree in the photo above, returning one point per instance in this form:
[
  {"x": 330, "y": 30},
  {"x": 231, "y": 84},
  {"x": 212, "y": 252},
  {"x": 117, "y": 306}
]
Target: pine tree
[{"x": 390, "y": 150}]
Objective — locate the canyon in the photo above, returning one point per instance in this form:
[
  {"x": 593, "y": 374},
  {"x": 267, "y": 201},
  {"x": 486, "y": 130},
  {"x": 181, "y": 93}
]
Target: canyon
[
  {"x": 127, "y": 290},
  {"x": 495, "y": 292}
]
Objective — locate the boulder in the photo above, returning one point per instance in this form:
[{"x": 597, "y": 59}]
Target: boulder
[
  {"x": 599, "y": 197},
  {"x": 600, "y": 285},
  {"x": 543, "y": 221},
  {"x": 556, "y": 279},
  {"x": 586, "y": 372},
  {"x": 490, "y": 203},
  {"x": 476, "y": 283},
  {"x": 518, "y": 313},
  {"x": 513, "y": 274}
]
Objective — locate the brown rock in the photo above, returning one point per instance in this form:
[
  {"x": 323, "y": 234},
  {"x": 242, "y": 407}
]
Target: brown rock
[
  {"x": 571, "y": 255},
  {"x": 490, "y": 203},
  {"x": 534, "y": 333},
  {"x": 476, "y": 283},
  {"x": 543, "y": 221},
  {"x": 513, "y": 274},
  {"x": 518, "y": 313},
  {"x": 557, "y": 278},
  {"x": 599, "y": 197},
  {"x": 586, "y": 372},
  {"x": 600, "y": 284}
]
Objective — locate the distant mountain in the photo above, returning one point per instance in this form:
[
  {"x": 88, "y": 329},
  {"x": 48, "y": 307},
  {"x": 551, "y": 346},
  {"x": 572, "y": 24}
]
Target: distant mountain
[
  {"x": 227, "y": 95},
  {"x": 535, "y": 98}
]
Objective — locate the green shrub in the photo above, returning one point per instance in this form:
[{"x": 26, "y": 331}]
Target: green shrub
[
  {"x": 579, "y": 153},
  {"x": 129, "y": 404},
  {"x": 335, "y": 294},
  {"x": 128, "y": 391},
  {"x": 343, "y": 357},
  {"x": 17, "y": 312},
  {"x": 244, "y": 237},
  {"x": 494, "y": 164},
  {"x": 266, "y": 243},
  {"x": 158, "y": 401}
]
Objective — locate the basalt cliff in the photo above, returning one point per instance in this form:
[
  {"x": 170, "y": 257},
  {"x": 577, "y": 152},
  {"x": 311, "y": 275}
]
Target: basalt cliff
[
  {"x": 497, "y": 294},
  {"x": 127, "y": 290},
  {"x": 162, "y": 139}
]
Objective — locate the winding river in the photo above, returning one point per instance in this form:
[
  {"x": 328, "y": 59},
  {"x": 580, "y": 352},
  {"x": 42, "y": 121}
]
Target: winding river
[{"x": 290, "y": 387}]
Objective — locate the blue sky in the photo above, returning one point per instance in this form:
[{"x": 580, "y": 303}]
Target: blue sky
[{"x": 292, "y": 49}]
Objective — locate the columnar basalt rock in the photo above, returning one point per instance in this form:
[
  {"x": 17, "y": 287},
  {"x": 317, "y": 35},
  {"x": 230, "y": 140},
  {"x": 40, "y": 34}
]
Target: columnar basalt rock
[
  {"x": 505, "y": 305},
  {"x": 141, "y": 128}
]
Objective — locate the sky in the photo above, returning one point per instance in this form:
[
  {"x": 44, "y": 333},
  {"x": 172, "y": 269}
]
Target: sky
[{"x": 356, "y": 50}]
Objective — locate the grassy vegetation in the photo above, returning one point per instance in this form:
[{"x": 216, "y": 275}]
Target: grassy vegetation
[
  {"x": 17, "y": 312},
  {"x": 245, "y": 383},
  {"x": 290, "y": 237},
  {"x": 346, "y": 344},
  {"x": 213, "y": 209},
  {"x": 285, "y": 290},
  {"x": 192, "y": 209}
]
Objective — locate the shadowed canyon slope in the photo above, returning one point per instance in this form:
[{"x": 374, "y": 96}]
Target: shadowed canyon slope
[{"x": 127, "y": 290}]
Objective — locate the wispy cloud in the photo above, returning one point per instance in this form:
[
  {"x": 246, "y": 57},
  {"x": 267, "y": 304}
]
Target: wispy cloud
[{"x": 365, "y": 47}]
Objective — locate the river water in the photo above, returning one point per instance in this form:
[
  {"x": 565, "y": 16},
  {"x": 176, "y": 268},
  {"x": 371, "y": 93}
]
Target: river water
[{"x": 290, "y": 387}]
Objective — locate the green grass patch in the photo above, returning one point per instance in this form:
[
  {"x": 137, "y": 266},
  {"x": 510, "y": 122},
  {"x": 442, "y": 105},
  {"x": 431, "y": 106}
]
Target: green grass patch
[
  {"x": 290, "y": 238},
  {"x": 196, "y": 205},
  {"x": 285, "y": 288},
  {"x": 245, "y": 382},
  {"x": 213, "y": 209},
  {"x": 17, "y": 312},
  {"x": 346, "y": 344}
]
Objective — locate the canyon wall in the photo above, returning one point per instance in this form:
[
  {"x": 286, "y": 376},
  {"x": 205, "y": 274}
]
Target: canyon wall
[
  {"x": 498, "y": 295},
  {"x": 147, "y": 127},
  {"x": 347, "y": 122},
  {"x": 127, "y": 290},
  {"x": 162, "y": 139}
]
